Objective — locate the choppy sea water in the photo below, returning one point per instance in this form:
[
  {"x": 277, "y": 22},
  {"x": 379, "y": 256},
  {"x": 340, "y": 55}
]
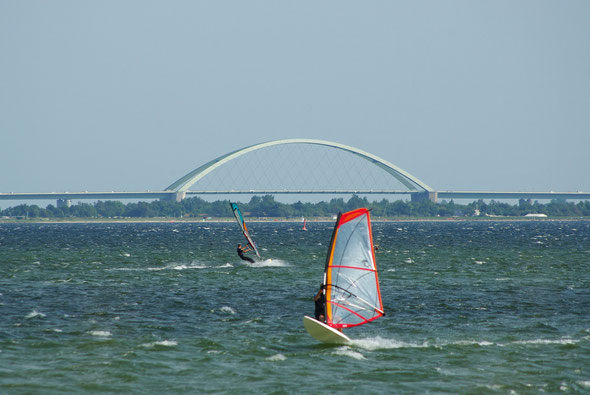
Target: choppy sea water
[{"x": 472, "y": 307}]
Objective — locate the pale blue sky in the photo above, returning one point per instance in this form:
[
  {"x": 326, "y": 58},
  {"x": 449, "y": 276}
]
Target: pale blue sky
[{"x": 131, "y": 95}]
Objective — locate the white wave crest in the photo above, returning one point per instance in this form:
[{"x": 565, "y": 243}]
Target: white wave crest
[
  {"x": 268, "y": 263},
  {"x": 378, "y": 343},
  {"x": 34, "y": 314},
  {"x": 348, "y": 352},
  {"x": 276, "y": 357},
  {"x": 227, "y": 309},
  {"x": 547, "y": 341},
  {"x": 482, "y": 343},
  {"x": 162, "y": 343},
  {"x": 176, "y": 266},
  {"x": 101, "y": 333}
]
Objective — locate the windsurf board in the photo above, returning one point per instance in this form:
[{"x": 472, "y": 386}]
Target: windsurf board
[{"x": 324, "y": 333}]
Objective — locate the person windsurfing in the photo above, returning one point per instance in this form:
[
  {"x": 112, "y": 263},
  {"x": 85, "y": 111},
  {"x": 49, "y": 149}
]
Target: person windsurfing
[
  {"x": 320, "y": 304},
  {"x": 241, "y": 251}
]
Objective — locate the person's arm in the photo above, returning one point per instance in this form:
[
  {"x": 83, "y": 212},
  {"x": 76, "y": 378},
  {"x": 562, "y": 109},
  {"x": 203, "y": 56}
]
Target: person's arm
[{"x": 318, "y": 295}]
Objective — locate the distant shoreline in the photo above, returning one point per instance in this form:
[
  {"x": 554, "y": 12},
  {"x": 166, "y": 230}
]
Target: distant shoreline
[{"x": 278, "y": 220}]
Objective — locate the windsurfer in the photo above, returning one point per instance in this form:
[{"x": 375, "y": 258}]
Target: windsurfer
[
  {"x": 241, "y": 251},
  {"x": 320, "y": 304}
]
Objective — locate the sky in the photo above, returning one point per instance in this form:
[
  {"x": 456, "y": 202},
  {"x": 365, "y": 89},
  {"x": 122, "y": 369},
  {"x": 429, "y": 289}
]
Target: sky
[{"x": 131, "y": 95}]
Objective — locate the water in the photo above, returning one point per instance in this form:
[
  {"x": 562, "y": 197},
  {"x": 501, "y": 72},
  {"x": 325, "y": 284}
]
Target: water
[{"x": 472, "y": 307}]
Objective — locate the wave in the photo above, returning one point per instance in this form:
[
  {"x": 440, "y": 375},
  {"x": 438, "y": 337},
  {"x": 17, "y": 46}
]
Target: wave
[
  {"x": 268, "y": 263},
  {"x": 176, "y": 266},
  {"x": 379, "y": 343},
  {"x": 348, "y": 352},
  {"x": 228, "y": 310},
  {"x": 34, "y": 314},
  {"x": 161, "y": 343},
  {"x": 172, "y": 266},
  {"x": 101, "y": 333},
  {"x": 563, "y": 341},
  {"x": 277, "y": 357}
]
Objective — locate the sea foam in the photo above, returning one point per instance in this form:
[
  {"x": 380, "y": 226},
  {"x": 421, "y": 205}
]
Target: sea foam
[
  {"x": 276, "y": 357},
  {"x": 227, "y": 309},
  {"x": 378, "y": 343},
  {"x": 101, "y": 333},
  {"x": 34, "y": 314},
  {"x": 348, "y": 352},
  {"x": 268, "y": 263},
  {"x": 161, "y": 343},
  {"x": 547, "y": 341},
  {"x": 176, "y": 266}
]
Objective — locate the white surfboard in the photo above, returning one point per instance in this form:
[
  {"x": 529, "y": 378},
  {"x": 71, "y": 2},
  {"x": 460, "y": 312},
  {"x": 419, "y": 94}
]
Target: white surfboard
[{"x": 324, "y": 333}]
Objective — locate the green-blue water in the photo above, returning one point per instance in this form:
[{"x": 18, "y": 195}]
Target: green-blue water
[{"x": 472, "y": 307}]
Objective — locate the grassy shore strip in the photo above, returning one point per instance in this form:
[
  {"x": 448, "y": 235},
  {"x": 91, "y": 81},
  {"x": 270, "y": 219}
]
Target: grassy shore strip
[{"x": 286, "y": 220}]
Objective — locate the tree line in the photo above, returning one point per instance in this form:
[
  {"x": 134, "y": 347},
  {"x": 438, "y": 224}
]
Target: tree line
[{"x": 267, "y": 207}]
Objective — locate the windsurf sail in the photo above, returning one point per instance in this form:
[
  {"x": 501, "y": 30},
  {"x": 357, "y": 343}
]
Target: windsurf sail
[
  {"x": 352, "y": 292},
  {"x": 242, "y": 224}
]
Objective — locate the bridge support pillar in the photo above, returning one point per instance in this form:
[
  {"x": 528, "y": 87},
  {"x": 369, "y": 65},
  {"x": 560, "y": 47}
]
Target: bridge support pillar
[
  {"x": 178, "y": 197},
  {"x": 422, "y": 196},
  {"x": 175, "y": 196}
]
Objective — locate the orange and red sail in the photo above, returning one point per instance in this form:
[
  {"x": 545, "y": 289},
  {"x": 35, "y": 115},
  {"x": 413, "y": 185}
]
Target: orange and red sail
[{"x": 352, "y": 292}]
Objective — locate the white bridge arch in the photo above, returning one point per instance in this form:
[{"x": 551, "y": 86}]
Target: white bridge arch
[
  {"x": 413, "y": 184},
  {"x": 180, "y": 189}
]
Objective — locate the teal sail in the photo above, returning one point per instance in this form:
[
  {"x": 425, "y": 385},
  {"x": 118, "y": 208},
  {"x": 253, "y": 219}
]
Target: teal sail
[{"x": 244, "y": 228}]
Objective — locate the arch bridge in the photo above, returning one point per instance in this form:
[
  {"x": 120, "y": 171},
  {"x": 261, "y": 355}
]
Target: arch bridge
[
  {"x": 182, "y": 187},
  {"x": 413, "y": 185}
]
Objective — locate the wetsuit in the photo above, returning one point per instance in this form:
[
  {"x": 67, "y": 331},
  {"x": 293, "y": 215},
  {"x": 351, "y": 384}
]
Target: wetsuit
[
  {"x": 320, "y": 307},
  {"x": 244, "y": 257}
]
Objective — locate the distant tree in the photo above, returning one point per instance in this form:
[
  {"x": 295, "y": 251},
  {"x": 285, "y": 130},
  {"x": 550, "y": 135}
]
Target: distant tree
[
  {"x": 167, "y": 208},
  {"x": 356, "y": 202},
  {"x": 336, "y": 206},
  {"x": 267, "y": 206},
  {"x": 584, "y": 208},
  {"x": 110, "y": 209},
  {"x": 139, "y": 210},
  {"x": 399, "y": 208},
  {"x": 83, "y": 210},
  {"x": 196, "y": 206},
  {"x": 24, "y": 210}
]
